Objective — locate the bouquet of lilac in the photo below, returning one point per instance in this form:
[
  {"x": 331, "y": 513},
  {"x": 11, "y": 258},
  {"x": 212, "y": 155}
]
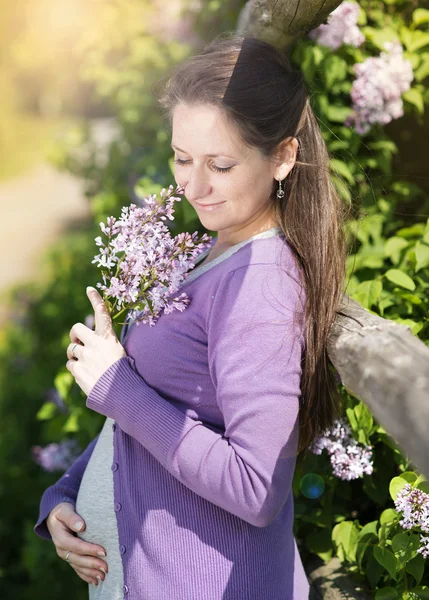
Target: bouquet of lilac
[{"x": 142, "y": 265}]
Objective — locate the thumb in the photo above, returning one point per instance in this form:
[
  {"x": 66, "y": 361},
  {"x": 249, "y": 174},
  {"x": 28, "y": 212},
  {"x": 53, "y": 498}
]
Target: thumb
[
  {"x": 103, "y": 320},
  {"x": 70, "y": 517}
]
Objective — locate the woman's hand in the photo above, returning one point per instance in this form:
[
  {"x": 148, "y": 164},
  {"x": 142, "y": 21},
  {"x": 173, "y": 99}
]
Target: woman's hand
[
  {"x": 83, "y": 556},
  {"x": 91, "y": 353}
]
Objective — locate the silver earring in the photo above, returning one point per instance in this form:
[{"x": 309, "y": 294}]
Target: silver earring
[{"x": 280, "y": 193}]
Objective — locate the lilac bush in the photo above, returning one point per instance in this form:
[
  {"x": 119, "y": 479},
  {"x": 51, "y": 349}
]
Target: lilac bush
[
  {"x": 341, "y": 28},
  {"x": 56, "y": 457},
  {"x": 142, "y": 264},
  {"x": 349, "y": 459},
  {"x": 413, "y": 503},
  {"x": 376, "y": 91}
]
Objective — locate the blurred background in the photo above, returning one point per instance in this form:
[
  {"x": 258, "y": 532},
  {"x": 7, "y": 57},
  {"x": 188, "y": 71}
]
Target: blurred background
[{"x": 79, "y": 128}]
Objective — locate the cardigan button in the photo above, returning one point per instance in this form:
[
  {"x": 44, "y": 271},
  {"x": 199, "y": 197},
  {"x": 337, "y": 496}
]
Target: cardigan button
[
  {"x": 123, "y": 549},
  {"x": 115, "y": 467},
  {"x": 125, "y": 589},
  {"x": 118, "y": 507},
  {"x": 114, "y": 427}
]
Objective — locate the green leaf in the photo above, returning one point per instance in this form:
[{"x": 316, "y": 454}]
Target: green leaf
[
  {"x": 422, "y": 483},
  {"x": 416, "y": 230},
  {"x": 368, "y": 292},
  {"x": 337, "y": 114},
  {"x": 414, "y": 40},
  {"x": 386, "y": 593},
  {"x": 404, "y": 547},
  {"x": 422, "y": 591},
  {"x": 415, "y": 97},
  {"x": 420, "y": 16},
  {"x": 352, "y": 418},
  {"x": 400, "y": 278},
  {"x": 344, "y": 535},
  {"x": 387, "y": 559},
  {"x": 46, "y": 411},
  {"x": 364, "y": 417},
  {"x": 373, "y": 569},
  {"x": 416, "y": 567},
  {"x": 393, "y": 248},
  {"x": 365, "y": 542},
  {"x": 422, "y": 256},
  {"x": 334, "y": 69},
  {"x": 388, "y": 515},
  {"x": 63, "y": 383},
  {"x": 397, "y": 483},
  {"x": 72, "y": 423},
  {"x": 422, "y": 70},
  {"x": 380, "y": 36},
  {"x": 341, "y": 168}
]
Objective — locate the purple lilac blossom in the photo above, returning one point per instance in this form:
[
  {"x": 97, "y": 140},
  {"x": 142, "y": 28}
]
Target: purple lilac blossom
[
  {"x": 349, "y": 459},
  {"x": 56, "y": 457},
  {"x": 414, "y": 506},
  {"x": 341, "y": 28},
  {"x": 376, "y": 91},
  {"x": 142, "y": 265}
]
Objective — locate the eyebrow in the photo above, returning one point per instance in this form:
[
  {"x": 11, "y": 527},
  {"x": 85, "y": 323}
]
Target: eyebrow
[{"x": 207, "y": 155}]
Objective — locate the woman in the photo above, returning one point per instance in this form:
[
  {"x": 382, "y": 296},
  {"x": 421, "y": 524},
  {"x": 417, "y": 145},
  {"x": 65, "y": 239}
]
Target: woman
[{"x": 188, "y": 487}]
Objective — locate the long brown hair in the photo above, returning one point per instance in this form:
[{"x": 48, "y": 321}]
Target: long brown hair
[{"x": 258, "y": 91}]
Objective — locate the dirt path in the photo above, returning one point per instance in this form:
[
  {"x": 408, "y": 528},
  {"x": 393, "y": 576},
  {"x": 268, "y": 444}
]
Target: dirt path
[{"x": 34, "y": 208}]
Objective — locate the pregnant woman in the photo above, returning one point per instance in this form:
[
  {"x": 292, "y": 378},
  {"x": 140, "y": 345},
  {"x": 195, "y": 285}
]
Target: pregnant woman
[{"x": 186, "y": 494}]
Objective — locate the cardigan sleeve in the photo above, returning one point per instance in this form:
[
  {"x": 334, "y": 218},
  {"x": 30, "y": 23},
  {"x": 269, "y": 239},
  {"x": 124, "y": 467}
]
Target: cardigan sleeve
[
  {"x": 255, "y": 353},
  {"x": 64, "y": 490}
]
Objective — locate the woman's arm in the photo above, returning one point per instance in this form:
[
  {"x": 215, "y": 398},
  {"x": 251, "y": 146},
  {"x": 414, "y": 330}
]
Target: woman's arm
[
  {"x": 255, "y": 361},
  {"x": 64, "y": 490}
]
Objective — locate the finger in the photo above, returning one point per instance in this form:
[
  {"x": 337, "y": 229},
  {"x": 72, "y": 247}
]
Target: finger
[
  {"x": 86, "y": 575},
  {"x": 71, "y": 366},
  {"x": 84, "y": 562},
  {"x": 94, "y": 573},
  {"x": 65, "y": 541},
  {"x": 75, "y": 351},
  {"x": 103, "y": 320},
  {"x": 65, "y": 514},
  {"x": 80, "y": 334}
]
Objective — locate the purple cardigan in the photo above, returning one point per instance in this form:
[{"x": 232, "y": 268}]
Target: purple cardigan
[{"x": 206, "y": 410}]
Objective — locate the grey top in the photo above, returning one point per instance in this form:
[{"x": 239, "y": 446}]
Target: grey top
[{"x": 95, "y": 501}]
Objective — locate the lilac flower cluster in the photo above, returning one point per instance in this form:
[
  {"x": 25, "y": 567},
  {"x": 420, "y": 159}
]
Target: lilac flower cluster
[
  {"x": 376, "y": 91},
  {"x": 142, "y": 265},
  {"x": 341, "y": 28},
  {"x": 414, "y": 506},
  {"x": 349, "y": 459},
  {"x": 56, "y": 457}
]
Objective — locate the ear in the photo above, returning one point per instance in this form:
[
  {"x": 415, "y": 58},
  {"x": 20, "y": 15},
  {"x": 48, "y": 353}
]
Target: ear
[{"x": 285, "y": 157}]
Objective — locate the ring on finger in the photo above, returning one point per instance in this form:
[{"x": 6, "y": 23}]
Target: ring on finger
[
  {"x": 67, "y": 556},
  {"x": 72, "y": 351}
]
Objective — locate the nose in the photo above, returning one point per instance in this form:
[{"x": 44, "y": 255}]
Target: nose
[{"x": 197, "y": 186}]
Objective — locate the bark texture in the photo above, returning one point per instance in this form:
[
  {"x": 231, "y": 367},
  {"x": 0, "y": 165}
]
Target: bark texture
[
  {"x": 387, "y": 367},
  {"x": 281, "y": 22}
]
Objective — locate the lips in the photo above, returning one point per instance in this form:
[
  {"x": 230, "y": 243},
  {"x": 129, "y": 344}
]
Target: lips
[{"x": 208, "y": 205}]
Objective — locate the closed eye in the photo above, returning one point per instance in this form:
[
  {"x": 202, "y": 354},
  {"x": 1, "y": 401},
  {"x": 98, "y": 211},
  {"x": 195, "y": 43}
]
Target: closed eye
[{"x": 178, "y": 161}]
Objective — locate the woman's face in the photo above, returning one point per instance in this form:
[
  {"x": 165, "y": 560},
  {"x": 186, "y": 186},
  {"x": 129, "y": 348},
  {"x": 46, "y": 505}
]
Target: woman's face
[{"x": 227, "y": 183}]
